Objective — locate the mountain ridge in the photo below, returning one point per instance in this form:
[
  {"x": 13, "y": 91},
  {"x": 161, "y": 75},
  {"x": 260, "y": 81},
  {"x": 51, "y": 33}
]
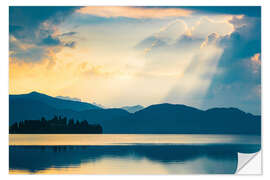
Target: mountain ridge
[
  {"x": 155, "y": 119},
  {"x": 54, "y": 101}
]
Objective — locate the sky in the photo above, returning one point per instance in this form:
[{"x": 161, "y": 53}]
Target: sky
[{"x": 120, "y": 56}]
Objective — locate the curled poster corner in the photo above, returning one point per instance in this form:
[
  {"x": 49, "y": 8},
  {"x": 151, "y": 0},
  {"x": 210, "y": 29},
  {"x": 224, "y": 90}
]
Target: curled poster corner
[{"x": 249, "y": 163}]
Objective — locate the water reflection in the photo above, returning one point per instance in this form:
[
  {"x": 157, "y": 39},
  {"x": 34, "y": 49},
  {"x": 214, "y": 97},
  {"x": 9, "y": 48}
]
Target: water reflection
[
  {"x": 129, "y": 139},
  {"x": 128, "y": 159}
]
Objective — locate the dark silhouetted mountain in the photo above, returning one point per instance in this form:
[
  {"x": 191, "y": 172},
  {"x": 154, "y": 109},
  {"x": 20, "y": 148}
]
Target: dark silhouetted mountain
[
  {"x": 155, "y": 119},
  {"x": 23, "y": 108},
  {"x": 178, "y": 119},
  {"x": 132, "y": 109},
  {"x": 164, "y": 119},
  {"x": 54, "y": 102}
]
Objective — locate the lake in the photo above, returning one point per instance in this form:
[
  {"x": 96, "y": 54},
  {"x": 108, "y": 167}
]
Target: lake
[{"x": 127, "y": 153}]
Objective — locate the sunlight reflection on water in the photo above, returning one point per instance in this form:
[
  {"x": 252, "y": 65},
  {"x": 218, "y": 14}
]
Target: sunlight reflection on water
[
  {"x": 124, "y": 139},
  {"x": 128, "y": 154}
]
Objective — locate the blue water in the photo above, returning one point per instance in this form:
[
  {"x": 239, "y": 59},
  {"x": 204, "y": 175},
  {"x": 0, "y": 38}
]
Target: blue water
[{"x": 148, "y": 157}]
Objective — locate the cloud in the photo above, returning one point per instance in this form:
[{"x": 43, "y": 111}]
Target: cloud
[
  {"x": 133, "y": 12},
  {"x": 151, "y": 42},
  {"x": 50, "y": 41},
  {"x": 70, "y": 44},
  {"x": 55, "y": 41},
  {"x": 249, "y": 11},
  {"x": 29, "y": 55},
  {"x": 165, "y": 36},
  {"x": 68, "y": 34},
  {"x": 178, "y": 34},
  {"x": 256, "y": 58},
  {"x": 221, "y": 60},
  {"x": 224, "y": 72},
  {"x": 239, "y": 47},
  {"x": 212, "y": 38},
  {"x": 206, "y": 25},
  {"x": 34, "y": 53},
  {"x": 89, "y": 71},
  {"x": 178, "y": 58},
  {"x": 25, "y": 21},
  {"x": 239, "y": 67},
  {"x": 32, "y": 27}
]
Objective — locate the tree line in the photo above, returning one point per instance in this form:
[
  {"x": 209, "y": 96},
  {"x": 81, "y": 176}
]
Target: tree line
[{"x": 56, "y": 125}]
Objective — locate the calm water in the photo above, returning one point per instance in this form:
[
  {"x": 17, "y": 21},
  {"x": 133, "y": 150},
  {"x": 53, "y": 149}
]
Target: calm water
[{"x": 128, "y": 154}]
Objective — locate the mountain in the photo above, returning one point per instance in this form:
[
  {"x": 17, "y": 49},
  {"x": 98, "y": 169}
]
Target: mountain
[
  {"x": 155, "y": 119},
  {"x": 181, "y": 119},
  {"x": 28, "y": 109},
  {"x": 53, "y": 102},
  {"x": 33, "y": 106},
  {"x": 132, "y": 109},
  {"x": 98, "y": 105}
]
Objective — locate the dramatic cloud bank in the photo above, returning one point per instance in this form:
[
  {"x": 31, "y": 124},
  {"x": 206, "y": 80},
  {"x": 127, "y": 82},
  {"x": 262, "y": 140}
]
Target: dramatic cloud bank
[{"x": 116, "y": 56}]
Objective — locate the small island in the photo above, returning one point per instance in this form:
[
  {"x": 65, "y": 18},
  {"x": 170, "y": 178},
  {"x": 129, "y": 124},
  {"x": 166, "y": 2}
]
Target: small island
[{"x": 56, "y": 125}]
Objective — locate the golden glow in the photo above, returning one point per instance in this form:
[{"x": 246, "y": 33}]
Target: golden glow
[
  {"x": 133, "y": 12},
  {"x": 104, "y": 66},
  {"x": 256, "y": 58},
  {"x": 106, "y": 166},
  {"x": 121, "y": 139}
]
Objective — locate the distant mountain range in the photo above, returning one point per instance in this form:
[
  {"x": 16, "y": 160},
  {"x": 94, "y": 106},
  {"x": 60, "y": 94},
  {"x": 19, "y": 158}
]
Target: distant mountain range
[
  {"x": 155, "y": 119},
  {"x": 68, "y": 98},
  {"x": 132, "y": 109},
  {"x": 54, "y": 102}
]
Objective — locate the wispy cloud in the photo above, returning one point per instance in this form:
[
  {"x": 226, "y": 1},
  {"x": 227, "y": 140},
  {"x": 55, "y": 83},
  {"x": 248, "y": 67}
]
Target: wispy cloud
[
  {"x": 134, "y": 12},
  {"x": 164, "y": 29},
  {"x": 68, "y": 34}
]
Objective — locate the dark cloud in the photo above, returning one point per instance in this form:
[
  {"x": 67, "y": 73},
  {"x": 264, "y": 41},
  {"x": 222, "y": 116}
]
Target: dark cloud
[
  {"x": 50, "y": 41},
  {"x": 239, "y": 47},
  {"x": 70, "y": 44},
  {"x": 34, "y": 25},
  {"x": 239, "y": 81},
  {"x": 249, "y": 11},
  {"x": 68, "y": 34},
  {"x": 29, "y": 18},
  {"x": 14, "y": 29},
  {"x": 55, "y": 41},
  {"x": 30, "y": 55}
]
